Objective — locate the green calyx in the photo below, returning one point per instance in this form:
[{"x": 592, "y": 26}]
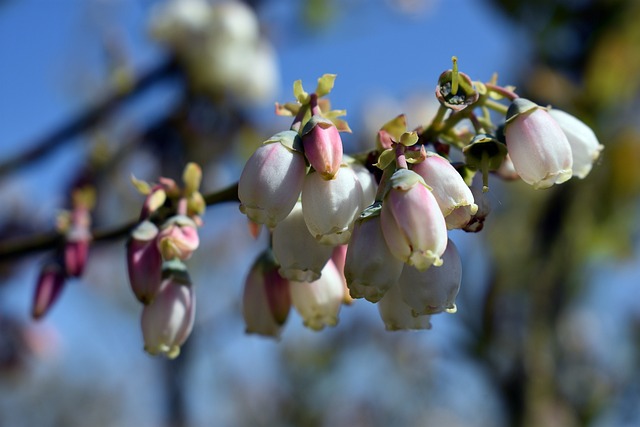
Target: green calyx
[
  {"x": 176, "y": 270},
  {"x": 405, "y": 179},
  {"x": 518, "y": 107},
  {"x": 314, "y": 121},
  {"x": 288, "y": 138}
]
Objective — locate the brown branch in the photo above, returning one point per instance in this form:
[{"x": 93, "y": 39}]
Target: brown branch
[
  {"x": 87, "y": 119},
  {"x": 19, "y": 247}
]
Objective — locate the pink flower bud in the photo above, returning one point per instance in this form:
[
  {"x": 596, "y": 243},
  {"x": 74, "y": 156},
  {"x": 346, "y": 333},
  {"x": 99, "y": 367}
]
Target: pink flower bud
[
  {"x": 266, "y": 300},
  {"x": 144, "y": 262},
  {"x": 434, "y": 290},
  {"x": 319, "y": 302},
  {"x": 412, "y": 222},
  {"x": 476, "y": 223},
  {"x": 331, "y": 207},
  {"x": 451, "y": 192},
  {"x": 178, "y": 238},
  {"x": 272, "y": 179},
  {"x": 397, "y": 315},
  {"x": 370, "y": 268},
  {"x": 300, "y": 255},
  {"x": 168, "y": 320},
  {"x": 322, "y": 146},
  {"x": 50, "y": 284},
  {"x": 78, "y": 238},
  {"x": 585, "y": 147},
  {"x": 538, "y": 147}
]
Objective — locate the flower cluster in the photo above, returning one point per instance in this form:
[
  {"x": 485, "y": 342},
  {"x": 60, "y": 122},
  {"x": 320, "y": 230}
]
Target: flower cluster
[
  {"x": 166, "y": 236},
  {"x": 392, "y": 232},
  {"x": 219, "y": 46}
]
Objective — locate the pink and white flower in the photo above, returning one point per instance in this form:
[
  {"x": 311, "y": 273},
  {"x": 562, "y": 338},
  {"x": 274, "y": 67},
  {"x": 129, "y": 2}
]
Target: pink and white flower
[
  {"x": 370, "y": 268},
  {"x": 585, "y": 146},
  {"x": 538, "y": 147},
  {"x": 434, "y": 290},
  {"x": 266, "y": 300},
  {"x": 319, "y": 302},
  {"x": 300, "y": 255},
  {"x": 451, "y": 192},
  {"x": 397, "y": 315},
  {"x": 412, "y": 222},
  {"x": 272, "y": 179},
  {"x": 331, "y": 207}
]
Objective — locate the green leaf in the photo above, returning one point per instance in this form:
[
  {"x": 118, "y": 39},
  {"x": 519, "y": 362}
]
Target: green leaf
[{"x": 325, "y": 84}]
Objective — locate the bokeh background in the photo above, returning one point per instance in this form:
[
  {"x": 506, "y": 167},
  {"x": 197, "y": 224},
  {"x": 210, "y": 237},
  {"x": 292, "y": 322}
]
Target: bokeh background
[{"x": 547, "y": 331}]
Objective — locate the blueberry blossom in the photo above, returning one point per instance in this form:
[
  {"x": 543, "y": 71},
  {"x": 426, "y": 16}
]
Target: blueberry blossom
[
  {"x": 397, "y": 315},
  {"x": 322, "y": 146},
  {"x": 272, "y": 179},
  {"x": 451, "y": 192},
  {"x": 178, "y": 238},
  {"x": 319, "y": 302},
  {"x": 167, "y": 322},
  {"x": 300, "y": 255},
  {"x": 412, "y": 222},
  {"x": 585, "y": 146},
  {"x": 266, "y": 300},
  {"x": 538, "y": 147},
  {"x": 434, "y": 290},
  {"x": 48, "y": 288},
  {"x": 331, "y": 207},
  {"x": 370, "y": 268},
  {"x": 144, "y": 262}
]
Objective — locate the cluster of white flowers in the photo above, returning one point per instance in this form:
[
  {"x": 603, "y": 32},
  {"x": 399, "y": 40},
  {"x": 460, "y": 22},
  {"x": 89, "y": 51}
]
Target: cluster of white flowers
[
  {"x": 220, "y": 46},
  {"x": 336, "y": 230}
]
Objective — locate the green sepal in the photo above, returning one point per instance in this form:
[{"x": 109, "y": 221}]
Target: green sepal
[
  {"x": 520, "y": 106},
  {"x": 387, "y": 157},
  {"x": 176, "y": 270},
  {"x": 299, "y": 93},
  {"x": 408, "y": 138},
  {"x": 288, "y": 138},
  {"x": 192, "y": 177},
  {"x": 142, "y": 186},
  {"x": 466, "y": 172},
  {"x": 325, "y": 84},
  {"x": 405, "y": 179},
  {"x": 371, "y": 211},
  {"x": 396, "y": 127},
  {"x": 484, "y": 148},
  {"x": 314, "y": 121}
]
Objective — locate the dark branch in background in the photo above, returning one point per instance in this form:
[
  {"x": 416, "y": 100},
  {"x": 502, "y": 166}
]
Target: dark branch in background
[
  {"x": 88, "y": 119},
  {"x": 15, "y": 248}
]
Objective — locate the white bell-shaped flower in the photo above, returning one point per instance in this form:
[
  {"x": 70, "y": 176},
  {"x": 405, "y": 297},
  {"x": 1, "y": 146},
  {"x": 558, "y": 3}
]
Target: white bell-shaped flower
[
  {"x": 272, "y": 179},
  {"x": 397, "y": 315},
  {"x": 370, "y": 268},
  {"x": 300, "y": 255},
  {"x": 538, "y": 147},
  {"x": 331, "y": 206},
  {"x": 451, "y": 192},
  {"x": 434, "y": 290},
  {"x": 412, "y": 222},
  {"x": 585, "y": 146},
  {"x": 319, "y": 302},
  {"x": 266, "y": 300}
]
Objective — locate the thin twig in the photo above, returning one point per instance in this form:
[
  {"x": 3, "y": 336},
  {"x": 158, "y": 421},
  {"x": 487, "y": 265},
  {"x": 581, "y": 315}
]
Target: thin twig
[
  {"x": 87, "y": 119},
  {"x": 16, "y": 248}
]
